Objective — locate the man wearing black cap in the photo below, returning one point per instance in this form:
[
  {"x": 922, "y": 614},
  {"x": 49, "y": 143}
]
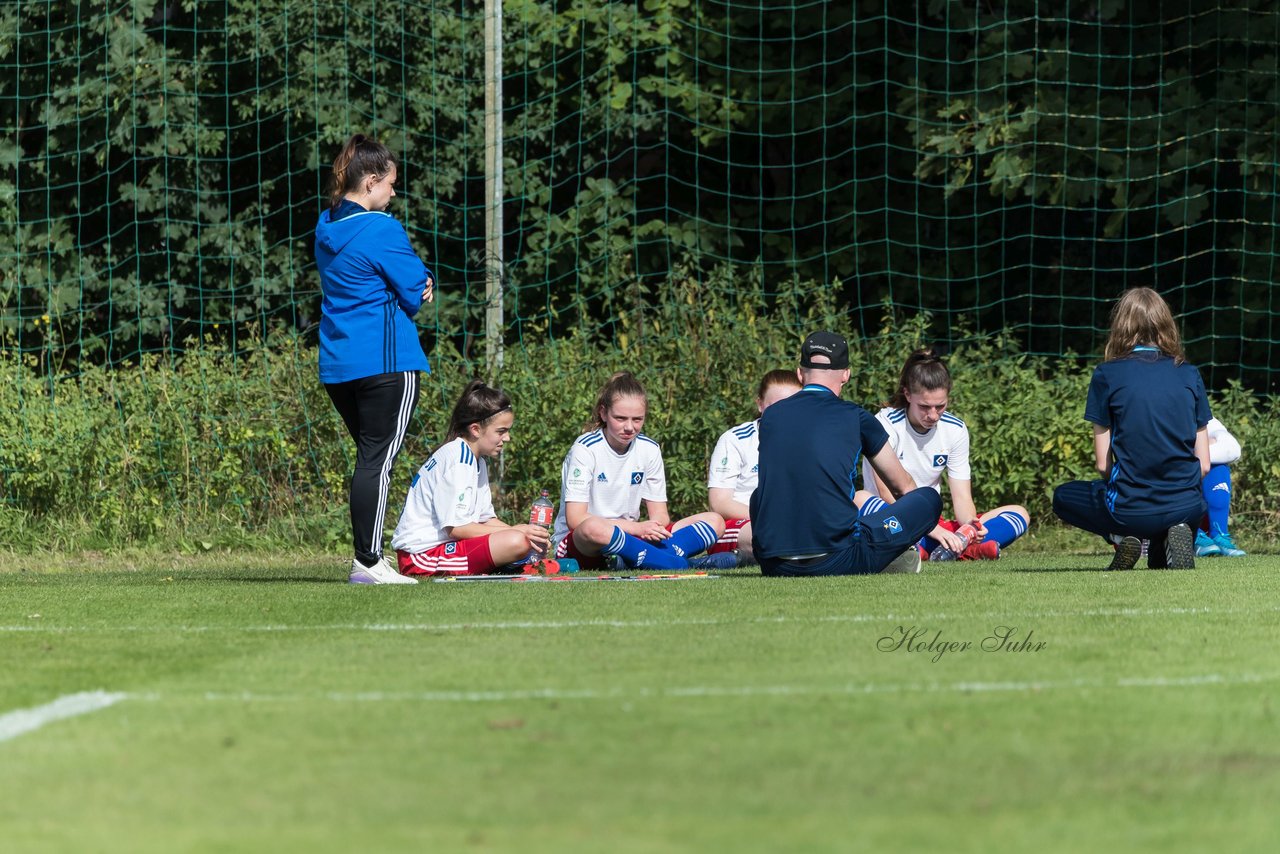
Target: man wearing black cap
[{"x": 802, "y": 510}]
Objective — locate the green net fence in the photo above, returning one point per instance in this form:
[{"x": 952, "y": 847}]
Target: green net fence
[{"x": 994, "y": 168}]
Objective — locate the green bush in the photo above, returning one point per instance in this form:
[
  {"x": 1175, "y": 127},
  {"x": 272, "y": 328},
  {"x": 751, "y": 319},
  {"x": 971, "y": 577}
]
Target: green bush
[{"x": 223, "y": 447}]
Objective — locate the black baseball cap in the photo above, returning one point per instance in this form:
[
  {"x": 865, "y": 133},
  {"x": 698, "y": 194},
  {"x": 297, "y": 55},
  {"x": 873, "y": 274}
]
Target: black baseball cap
[{"x": 828, "y": 344}]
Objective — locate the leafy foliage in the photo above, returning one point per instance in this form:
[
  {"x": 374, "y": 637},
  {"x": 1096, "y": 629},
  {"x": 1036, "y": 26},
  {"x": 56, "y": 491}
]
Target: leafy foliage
[
  {"x": 162, "y": 162},
  {"x": 219, "y": 443}
]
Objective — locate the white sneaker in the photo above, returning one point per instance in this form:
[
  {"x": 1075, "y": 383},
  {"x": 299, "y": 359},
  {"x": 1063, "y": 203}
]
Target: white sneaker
[
  {"x": 380, "y": 573},
  {"x": 908, "y": 562}
]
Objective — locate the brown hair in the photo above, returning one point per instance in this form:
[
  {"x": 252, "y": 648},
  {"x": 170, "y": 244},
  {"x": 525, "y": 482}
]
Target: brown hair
[
  {"x": 1142, "y": 317},
  {"x": 924, "y": 371},
  {"x": 621, "y": 384},
  {"x": 779, "y": 377},
  {"x": 478, "y": 404},
  {"x": 360, "y": 157}
]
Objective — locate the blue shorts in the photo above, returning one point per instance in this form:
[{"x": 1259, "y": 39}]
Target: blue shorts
[{"x": 878, "y": 538}]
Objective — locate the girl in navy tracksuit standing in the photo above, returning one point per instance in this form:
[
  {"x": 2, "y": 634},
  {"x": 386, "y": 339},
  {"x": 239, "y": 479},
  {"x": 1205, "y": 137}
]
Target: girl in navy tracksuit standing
[{"x": 373, "y": 284}]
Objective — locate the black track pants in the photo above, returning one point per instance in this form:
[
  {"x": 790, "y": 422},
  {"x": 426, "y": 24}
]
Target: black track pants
[{"x": 376, "y": 411}]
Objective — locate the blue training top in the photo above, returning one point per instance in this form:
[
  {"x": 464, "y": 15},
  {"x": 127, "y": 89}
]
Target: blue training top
[
  {"x": 1154, "y": 408},
  {"x": 810, "y": 444},
  {"x": 373, "y": 283}
]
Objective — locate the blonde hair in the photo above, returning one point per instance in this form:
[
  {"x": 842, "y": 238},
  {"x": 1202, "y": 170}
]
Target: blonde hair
[
  {"x": 621, "y": 384},
  {"x": 1141, "y": 317},
  {"x": 360, "y": 157}
]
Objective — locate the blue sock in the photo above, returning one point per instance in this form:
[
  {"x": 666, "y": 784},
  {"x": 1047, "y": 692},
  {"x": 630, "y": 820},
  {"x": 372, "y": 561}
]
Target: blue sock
[
  {"x": 1217, "y": 495},
  {"x": 642, "y": 553},
  {"x": 1006, "y": 528},
  {"x": 691, "y": 539}
]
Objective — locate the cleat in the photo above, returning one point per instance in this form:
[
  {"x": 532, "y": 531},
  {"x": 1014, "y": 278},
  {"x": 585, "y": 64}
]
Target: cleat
[
  {"x": 1127, "y": 553},
  {"x": 1180, "y": 548},
  {"x": 380, "y": 573},
  {"x": 1205, "y": 545},
  {"x": 719, "y": 560},
  {"x": 1227, "y": 546},
  {"x": 985, "y": 550},
  {"x": 906, "y": 563}
]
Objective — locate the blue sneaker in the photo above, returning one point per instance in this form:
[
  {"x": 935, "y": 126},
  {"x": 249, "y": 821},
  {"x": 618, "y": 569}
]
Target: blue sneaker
[
  {"x": 1205, "y": 545},
  {"x": 1227, "y": 546},
  {"x": 719, "y": 560}
]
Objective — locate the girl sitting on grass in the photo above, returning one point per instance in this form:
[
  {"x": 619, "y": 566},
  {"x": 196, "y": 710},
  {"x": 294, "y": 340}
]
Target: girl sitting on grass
[
  {"x": 448, "y": 526},
  {"x": 607, "y": 474},
  {"x": 734, "y": 469},
  {"x": 931, "y": 440}
]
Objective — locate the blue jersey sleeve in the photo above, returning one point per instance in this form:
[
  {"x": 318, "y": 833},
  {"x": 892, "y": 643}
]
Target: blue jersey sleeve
[
  {"x": 1202, "y": 401},
  {"x": 1096, "y": 407},
  {"x": 872, "y": 433}
]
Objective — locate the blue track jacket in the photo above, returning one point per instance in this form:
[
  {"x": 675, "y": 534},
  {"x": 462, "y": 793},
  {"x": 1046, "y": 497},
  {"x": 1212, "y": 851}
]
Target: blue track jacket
[{"x": 372, "y": 282}]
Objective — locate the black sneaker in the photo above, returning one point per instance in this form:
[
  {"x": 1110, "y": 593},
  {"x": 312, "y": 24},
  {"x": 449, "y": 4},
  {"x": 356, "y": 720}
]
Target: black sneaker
[
  {"x": 1128, "y": 551},
  {"x": 1180, "y": 548}
]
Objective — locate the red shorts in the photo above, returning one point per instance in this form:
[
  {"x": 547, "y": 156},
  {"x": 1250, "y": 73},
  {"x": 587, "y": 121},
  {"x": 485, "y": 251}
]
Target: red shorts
[
  {"x": 455, "y": 557},
  {"x": 568, "y": 549},
  {"x": 728, "y": 541}
]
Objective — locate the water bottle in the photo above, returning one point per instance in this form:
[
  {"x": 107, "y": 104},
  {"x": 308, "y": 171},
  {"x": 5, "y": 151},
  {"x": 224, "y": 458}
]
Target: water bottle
[
  {"x": 541, "y": 513},
  {"x": 966, "y": 534}
]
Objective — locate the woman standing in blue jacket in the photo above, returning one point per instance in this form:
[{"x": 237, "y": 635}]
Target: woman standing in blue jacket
[{"x": 373, "y": 284}]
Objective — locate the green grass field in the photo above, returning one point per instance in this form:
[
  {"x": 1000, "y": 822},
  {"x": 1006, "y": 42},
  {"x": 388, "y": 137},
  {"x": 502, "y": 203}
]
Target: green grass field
[{"x": 254, "y": 704}]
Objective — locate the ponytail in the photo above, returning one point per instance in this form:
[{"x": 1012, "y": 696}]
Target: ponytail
[
  {"x": 923, "y": 371},
  {"x": 621, "y": 384},
  {"x": 477, "y": 405},
  {"x": 359, "y": 158}
]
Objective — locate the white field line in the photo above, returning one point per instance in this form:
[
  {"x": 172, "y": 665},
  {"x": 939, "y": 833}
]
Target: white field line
[
  {"x": 546, "y": 625},
  {"x": 22, "y": 721},
  {"x": 718, "y": 691}
]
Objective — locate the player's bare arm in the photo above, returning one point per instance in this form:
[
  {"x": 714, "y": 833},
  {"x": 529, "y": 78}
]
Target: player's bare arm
[
  {"x": 890, "y": 471},
  {"x": 1102, "y": 449},
  {"x": 720, "y": 499}
]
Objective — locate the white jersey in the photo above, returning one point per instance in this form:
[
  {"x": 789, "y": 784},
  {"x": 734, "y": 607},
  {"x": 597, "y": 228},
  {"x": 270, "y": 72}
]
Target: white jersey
[
  {"x": 1224, "y": 448},
  {"x": 925, "y": 456},
  {"x": 735, "y": 464},
  {"x": 451, "y": 489},
  {"x": 612, "y": 485}
]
